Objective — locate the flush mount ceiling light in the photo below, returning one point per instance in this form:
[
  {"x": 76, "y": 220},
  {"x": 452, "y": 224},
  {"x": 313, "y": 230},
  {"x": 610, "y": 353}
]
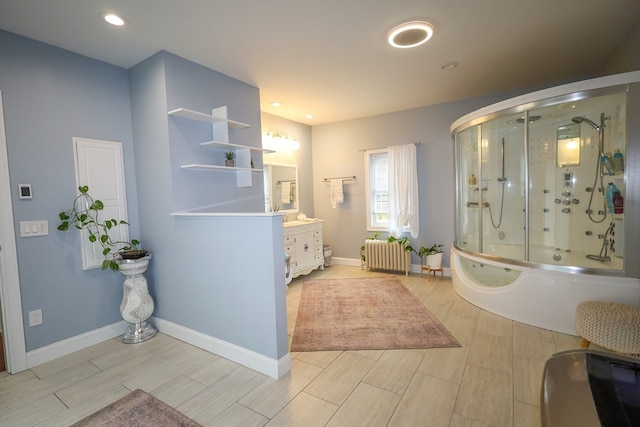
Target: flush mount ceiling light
[
  {"x": 114, "y": 19},
  {"x": 410, "y": 34}
]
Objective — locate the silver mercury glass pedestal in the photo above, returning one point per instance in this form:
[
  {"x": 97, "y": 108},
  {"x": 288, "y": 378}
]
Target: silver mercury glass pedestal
[{"x": 137, "y": 305}]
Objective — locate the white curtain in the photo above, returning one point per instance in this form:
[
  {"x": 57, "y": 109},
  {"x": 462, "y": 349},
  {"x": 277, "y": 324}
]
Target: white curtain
[{"x": 403, "y": 190}]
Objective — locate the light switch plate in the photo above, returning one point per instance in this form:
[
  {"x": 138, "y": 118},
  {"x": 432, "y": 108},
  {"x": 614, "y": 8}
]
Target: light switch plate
[{"x": 34, "y": 228}]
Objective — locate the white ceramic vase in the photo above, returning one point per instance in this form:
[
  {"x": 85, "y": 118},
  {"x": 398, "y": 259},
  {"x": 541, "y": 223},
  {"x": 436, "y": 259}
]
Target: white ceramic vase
[{"x": 137, "y": 305}]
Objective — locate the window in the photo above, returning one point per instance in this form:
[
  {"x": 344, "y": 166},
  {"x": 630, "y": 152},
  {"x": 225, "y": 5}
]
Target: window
[{"x": 377, "y": 182}]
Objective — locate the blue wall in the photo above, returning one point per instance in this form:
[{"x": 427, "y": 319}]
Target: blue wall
[
  {"x": 219, "y": 276},
  {"x": 51, "y": 95}
]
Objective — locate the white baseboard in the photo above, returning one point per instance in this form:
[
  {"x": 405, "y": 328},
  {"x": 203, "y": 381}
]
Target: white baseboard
[
  {"x": 73, "y": 344},
  {"x": 353, "y": 262},
  {"x": 258, "y": 362},
  {"x": 346, "y": 261}
]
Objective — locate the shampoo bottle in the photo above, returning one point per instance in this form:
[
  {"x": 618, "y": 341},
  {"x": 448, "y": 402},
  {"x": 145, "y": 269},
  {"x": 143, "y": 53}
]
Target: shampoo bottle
[
  {"x": 611, "y": 189},
  {"x": 618, "y": 162}
]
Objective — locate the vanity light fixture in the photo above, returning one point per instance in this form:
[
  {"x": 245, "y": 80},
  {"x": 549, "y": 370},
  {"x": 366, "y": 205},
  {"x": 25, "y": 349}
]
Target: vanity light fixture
[
  {"x": 410, "y": 34},
  {"x": 114, "y": 19},
  {"x": 279, "y": 141}
]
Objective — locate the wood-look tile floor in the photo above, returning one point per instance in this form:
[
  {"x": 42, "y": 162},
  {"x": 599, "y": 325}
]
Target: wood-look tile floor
[{"x": 492, "y": 380}]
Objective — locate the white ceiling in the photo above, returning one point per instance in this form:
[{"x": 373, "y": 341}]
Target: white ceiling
[{"x": 330, "y": 57}]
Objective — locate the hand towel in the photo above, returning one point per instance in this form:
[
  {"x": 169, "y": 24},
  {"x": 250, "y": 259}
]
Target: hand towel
[
  {"x": 285, "y": 191},
  {"x": 337, "y": 192}
]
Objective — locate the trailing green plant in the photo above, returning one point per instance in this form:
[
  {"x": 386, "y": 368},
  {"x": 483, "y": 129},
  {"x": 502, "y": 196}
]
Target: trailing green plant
[
  {"x": 436, "y": 248},
  {"x": 404, "y": 241},
  {"x": 86, "y": 218}
]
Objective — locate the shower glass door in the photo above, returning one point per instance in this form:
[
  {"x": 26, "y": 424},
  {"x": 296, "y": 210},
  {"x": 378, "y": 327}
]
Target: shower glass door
[
  {"x": 468, "y": 171},
  {"x": 503, "y": 187},
  {"x": 571, "y": 223}
]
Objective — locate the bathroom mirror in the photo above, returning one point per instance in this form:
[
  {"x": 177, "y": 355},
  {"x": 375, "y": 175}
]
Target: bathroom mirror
[
  {"x": 280, "y": 188},
  {"x": 568, "y": 152}
]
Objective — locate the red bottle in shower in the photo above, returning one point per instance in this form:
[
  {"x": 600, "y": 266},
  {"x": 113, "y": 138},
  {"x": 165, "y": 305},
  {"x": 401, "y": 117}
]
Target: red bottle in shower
[{"x": 618, "y": 203}]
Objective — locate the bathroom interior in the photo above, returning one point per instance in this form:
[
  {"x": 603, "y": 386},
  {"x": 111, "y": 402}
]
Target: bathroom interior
[{"x": 540, "y": 204}]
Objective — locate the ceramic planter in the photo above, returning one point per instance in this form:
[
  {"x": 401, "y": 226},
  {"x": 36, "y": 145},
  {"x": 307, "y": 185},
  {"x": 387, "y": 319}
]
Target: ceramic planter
[{"x": 434, "y": 262}]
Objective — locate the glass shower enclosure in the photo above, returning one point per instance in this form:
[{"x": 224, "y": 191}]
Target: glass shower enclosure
[{"x": 547, "y": 183}]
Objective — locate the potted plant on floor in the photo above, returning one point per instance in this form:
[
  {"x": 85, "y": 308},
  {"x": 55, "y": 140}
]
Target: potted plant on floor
[
  {"x": 124, "y": 256},
  {"x": 433, "y": 255}
]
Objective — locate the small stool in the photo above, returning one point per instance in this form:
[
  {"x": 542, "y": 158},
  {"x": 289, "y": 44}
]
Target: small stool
[{"x": 612, "y": 325}]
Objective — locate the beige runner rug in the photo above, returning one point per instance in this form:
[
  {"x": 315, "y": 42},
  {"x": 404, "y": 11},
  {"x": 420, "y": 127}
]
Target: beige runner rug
[
  {"x": 365, "y": 314},
  {"x": 137, "y": 409}
]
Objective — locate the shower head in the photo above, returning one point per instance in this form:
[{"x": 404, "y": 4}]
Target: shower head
[{"x": 584, "y": 119}]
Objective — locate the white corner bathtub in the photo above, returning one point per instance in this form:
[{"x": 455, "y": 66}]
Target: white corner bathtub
[{"x": 540, "y": 297}]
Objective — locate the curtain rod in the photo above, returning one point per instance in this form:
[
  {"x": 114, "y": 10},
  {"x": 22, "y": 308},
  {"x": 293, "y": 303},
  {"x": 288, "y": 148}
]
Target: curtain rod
[
  {"x": 346, "y": 178},
  {"x": 379, "y": 148}
]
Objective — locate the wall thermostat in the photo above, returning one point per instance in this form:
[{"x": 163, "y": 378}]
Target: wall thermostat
[{"x": 24, "y": 191}]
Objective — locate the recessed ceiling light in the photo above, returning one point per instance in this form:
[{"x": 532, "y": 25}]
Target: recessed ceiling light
[
  {"x": 276, "y": 104},
  {"x": 310, "y": 116},
  {"x": 449, "y": 65},
  {"x": 410, "y": 34},
  {"x": 114, "y": 19}
]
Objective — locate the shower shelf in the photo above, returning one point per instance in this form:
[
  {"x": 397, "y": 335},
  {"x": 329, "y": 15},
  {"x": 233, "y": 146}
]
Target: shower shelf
[{"x": 475, "y": 205}]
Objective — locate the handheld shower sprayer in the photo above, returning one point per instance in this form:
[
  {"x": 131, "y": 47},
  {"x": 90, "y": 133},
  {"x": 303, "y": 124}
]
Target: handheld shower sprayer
[
  {"x": 599, "y": 168},
  {"x": 502, "y": 178}
]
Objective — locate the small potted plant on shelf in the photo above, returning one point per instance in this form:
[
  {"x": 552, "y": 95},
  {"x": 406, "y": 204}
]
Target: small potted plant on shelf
[
  {"x": 230, "y": 158},
  {"x": 83, "y": 215},
  {"x": 433, "y": 256}
]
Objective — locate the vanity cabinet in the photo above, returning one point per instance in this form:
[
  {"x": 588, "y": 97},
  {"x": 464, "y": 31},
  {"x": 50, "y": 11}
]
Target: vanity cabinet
[
  {"x": 220, "y": 126},
  {"x": 303, "y": 243}
]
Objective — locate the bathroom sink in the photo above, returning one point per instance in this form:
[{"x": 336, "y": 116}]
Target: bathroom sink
[{"x": 296, "y": 222}]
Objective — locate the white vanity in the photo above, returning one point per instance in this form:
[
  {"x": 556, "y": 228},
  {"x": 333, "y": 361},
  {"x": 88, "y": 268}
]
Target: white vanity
[{"x": 303, "y": 243}]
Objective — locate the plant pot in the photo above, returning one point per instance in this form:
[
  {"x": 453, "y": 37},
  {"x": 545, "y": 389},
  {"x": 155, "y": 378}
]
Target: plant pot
[
  {"x": 137, "y": 305},
  {"x": 434, "y": 262},
  {"x": 133, "y": 254},
  {"x": 230, "y": 163}
]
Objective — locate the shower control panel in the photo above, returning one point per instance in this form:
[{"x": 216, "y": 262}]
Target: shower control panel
[{"x": 568, "y": 179}]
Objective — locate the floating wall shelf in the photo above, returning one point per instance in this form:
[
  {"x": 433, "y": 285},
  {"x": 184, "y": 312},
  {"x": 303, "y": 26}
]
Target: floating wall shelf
[{"x": 220, "y": 125}]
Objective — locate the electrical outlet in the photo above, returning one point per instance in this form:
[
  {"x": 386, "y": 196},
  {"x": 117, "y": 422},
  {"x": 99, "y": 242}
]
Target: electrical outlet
[{"x": 35, "y": 317}]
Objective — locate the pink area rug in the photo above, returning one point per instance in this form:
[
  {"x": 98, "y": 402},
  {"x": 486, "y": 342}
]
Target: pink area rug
[
  {"x": 137, "y": 409},
  {"x": 365, "y": 314}
]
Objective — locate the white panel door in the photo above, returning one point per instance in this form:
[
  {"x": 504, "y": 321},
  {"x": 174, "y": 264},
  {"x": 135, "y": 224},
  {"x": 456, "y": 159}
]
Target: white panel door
[{"x": 100, "y": 166}]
